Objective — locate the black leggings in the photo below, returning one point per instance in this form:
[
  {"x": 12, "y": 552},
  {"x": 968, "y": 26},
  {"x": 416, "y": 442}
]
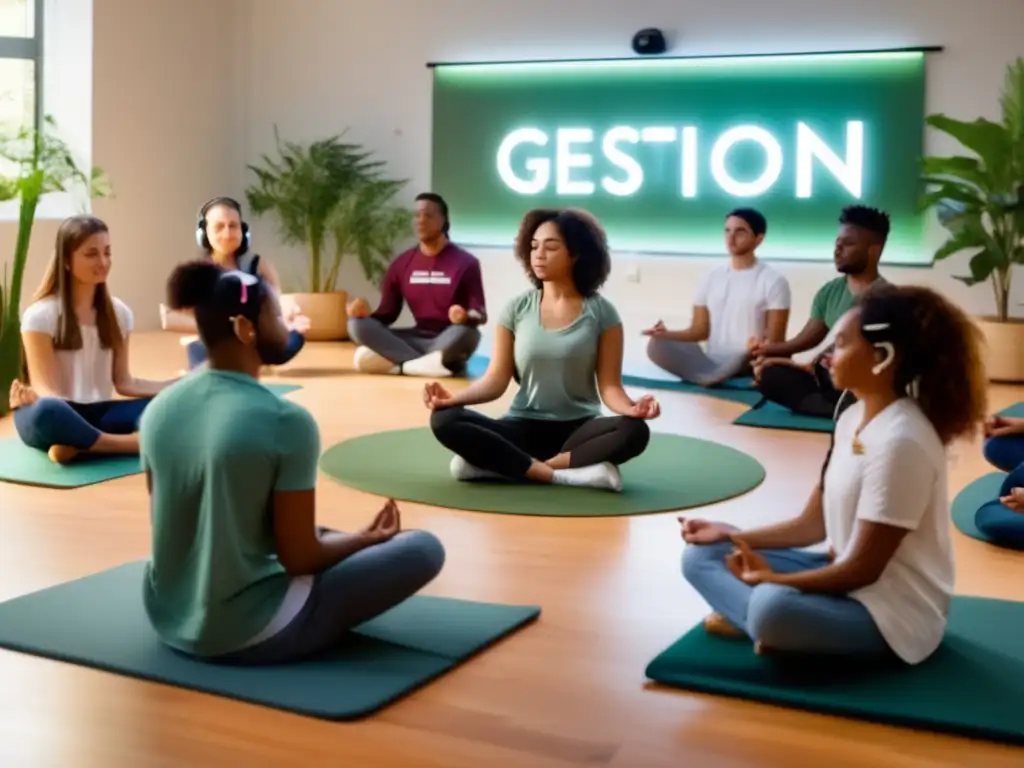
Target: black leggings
[
  {"x": 800, "y": 391},
  {"x": 509, "y": 446}
]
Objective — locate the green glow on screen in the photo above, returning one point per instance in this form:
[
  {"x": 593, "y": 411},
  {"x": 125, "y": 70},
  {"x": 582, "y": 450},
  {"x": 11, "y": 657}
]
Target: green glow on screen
[{"x": 660, "y": 150}]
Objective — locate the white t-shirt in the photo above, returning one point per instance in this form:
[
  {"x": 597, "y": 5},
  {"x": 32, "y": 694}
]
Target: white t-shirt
[
  {"x": 737, "y": 302},
  {"x": 86, "y": 375},
  {"x": 898, "y": 480}
]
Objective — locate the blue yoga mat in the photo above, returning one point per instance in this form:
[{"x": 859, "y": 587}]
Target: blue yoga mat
[
  {"x": 970, "y": 499},
  {"x": 1013, "y": 412},
  {"x": 28, "y": 466}
]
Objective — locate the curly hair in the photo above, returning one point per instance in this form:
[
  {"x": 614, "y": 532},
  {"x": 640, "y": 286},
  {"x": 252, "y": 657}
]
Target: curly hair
[
  {"x": 585, "y": 240},
  {"x": 939, "y": 354}
]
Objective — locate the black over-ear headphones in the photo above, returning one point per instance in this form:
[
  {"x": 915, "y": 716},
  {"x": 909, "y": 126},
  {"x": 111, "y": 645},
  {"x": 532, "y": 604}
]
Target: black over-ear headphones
[{"x": 204, "y": 242}]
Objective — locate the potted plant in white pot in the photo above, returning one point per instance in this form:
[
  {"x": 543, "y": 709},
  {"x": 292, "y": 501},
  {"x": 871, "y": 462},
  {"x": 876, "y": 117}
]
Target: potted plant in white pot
[
  {"x": 979, "y": 199},
  {"x": 311, "y": 190},
  {"x": 41, "y": 163}
]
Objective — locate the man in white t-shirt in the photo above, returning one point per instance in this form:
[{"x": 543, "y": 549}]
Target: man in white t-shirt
[{"x": 733, "y": 303}]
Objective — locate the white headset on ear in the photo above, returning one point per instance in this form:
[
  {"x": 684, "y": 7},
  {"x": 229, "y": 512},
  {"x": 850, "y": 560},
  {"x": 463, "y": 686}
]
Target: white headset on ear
[{"x": 885, "y": 346}]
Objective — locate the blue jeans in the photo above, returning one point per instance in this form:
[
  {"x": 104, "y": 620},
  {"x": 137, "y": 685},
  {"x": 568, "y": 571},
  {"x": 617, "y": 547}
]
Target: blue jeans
[
  {"x": 50, "y": 421},
  {"x": 1005, "y": 453},
  {"x": 1002, "y": 525},
  {"x": 296, "y": 341},
  {"x": 783, "y": 618},
  {"x": 359, "y": 588}
]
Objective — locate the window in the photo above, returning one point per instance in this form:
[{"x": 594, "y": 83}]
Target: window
[
  {"x": 46, "y": 51},
  {"x": 20, "y": 63}
]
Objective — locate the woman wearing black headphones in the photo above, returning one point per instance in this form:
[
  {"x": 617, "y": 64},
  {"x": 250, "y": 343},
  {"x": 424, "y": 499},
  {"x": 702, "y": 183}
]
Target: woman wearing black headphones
[{"x": 225, "y": 237}]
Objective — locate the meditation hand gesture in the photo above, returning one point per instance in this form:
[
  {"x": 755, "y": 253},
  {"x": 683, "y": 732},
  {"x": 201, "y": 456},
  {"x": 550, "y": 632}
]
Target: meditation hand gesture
[
  {"x": 658, "y": 329},
  {"x": 1014, "y": 500},
  {"x": 457, "y": 315},
  {"x": 646, "y": 408},
  {"x": 756, "y": 346},
  {"x": 1001, "y": 426},
  {"x": 436, "y": 397},
  {"x": 702, "y": 531},
  {"x": 385, "y": 525},
  {"x": 748, "y": 566},
  {"x": 359, "y": 309}
]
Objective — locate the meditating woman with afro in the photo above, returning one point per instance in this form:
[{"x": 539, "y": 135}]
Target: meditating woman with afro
[
  {"x": 912, "y": 362},
  {"x": 563, "y": 343}
]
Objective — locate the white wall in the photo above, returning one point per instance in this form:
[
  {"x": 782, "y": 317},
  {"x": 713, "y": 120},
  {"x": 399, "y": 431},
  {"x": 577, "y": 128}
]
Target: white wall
[
  {"x": 166, "y": 126},
  {"x": 361, "y": 65}
]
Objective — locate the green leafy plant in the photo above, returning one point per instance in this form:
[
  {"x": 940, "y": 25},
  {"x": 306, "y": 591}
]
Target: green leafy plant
[
  {"x": 367, "y": 223},
  {"x": 326, "y": 193},
  {"x": 34, "y": 162},
  {"x": 979, "y": 198}
]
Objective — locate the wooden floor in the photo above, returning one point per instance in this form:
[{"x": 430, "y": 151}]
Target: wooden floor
[{"x": 568, "y": 691}]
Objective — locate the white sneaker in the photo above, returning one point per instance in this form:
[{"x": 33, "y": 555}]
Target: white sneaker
[
  {"x": 429, "y": 366},
  {"x": 463, "y": 471},
  {"x": 366, "y": 360}
]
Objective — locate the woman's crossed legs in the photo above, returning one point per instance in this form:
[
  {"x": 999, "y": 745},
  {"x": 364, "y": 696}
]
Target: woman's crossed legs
[{"x": 582, "y": 452}]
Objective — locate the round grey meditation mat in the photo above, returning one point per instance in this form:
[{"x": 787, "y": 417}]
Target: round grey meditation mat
[{"x": 675, "y": 472}]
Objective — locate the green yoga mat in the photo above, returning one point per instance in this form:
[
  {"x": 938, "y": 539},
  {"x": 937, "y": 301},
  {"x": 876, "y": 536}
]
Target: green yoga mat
[
  {"x": 673, "y": 473},
  {"x": 99, "y": 622},
  {"x": 971, "y": 686},
  {"x": 970, "y": 499},
  {"x": 738, "y": 390},
  {"x": 27, "y": 466},
  {"x": 769, "y": 415}
]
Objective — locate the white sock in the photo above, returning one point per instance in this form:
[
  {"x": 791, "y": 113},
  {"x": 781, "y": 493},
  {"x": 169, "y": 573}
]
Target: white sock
[
  {"x": 429, "y": 365},
  {"x": 366, "y": 360},
  {"x": 604, "y": 476},
  {"x": 466, "y": 472}
]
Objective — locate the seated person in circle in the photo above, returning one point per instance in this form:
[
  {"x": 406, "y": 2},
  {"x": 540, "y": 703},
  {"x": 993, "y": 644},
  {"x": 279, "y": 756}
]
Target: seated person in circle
[
  {"x": 562, "y": 341},
  {"x": 735, "y": 302},
  {"x": 1002, "y": 519},
  {"x": 913, "y": 361},
  {"x": 239, "y": 572},
  {"x": 444, "y": 289},
  {"x": 807, "y": 388},
  {"x": 75, "y": 335},
  {"x": 226, "y": 238}
]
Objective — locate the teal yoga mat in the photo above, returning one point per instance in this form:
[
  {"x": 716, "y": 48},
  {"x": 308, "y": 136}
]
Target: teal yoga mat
[
  {"x": 970, "y": 499},
  {"x": 971, "y": 686},
  {"x": 99, "y": 622},
  {"x": 27, "y": 466},
  {"x": 769, "y": 415},
  {"x": 1014, "y": 411}
]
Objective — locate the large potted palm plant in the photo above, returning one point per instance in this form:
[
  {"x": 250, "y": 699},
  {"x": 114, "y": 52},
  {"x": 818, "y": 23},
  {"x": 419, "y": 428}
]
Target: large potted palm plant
[
  {"x": 325, "y": 193},
  {"x": 979, "y": 199},
  {"x": 40, "y": 163}
]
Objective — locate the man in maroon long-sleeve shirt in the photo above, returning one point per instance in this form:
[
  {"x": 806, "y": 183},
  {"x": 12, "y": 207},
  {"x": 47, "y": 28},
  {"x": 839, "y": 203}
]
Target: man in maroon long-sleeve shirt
[{"x": 443, "y": 287}]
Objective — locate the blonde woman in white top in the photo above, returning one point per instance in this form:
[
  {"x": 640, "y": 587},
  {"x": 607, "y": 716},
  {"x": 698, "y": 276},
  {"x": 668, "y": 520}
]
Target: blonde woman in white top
[
  {"x": 75, "y": 336},
  {"x": 913, "y": 362}
]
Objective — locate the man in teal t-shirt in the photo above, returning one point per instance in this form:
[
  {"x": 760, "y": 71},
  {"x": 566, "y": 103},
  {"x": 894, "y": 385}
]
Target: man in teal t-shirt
[
  {"x": 217, "y": 465},
  {"x": 807, "y": 389}
]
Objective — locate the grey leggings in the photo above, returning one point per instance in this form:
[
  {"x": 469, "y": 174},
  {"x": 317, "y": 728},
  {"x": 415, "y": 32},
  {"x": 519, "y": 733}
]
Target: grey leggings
[
  {"x": 457, "y": 343},
  {"x": 689, "y": 362},
  {"x": 357, "y": 589}
]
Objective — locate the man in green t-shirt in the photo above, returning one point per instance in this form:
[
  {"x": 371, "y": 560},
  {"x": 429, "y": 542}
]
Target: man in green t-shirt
[{"x": 807, "y": 388}]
